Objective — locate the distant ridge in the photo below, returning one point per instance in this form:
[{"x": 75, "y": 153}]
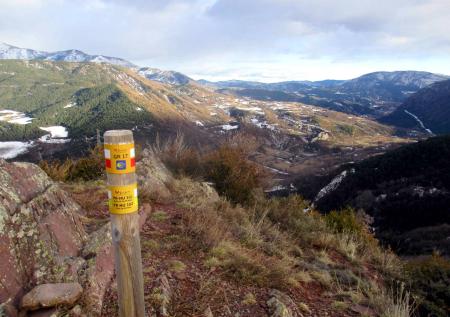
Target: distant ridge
[
  {"x": 164, "y": 76},
  {"x": 12, "y": 52},
  {"x": 375, "y": 94}
]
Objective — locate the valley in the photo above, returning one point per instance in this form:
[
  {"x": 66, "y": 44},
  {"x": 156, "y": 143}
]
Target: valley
[
  {"x": 83, "y": 99},
  {"x": 375, "y": 95}
]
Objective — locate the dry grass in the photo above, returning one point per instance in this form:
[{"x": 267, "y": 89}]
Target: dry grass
[
  {"x": 395, "y": 302},
  {"x": 274, "y": 243}
]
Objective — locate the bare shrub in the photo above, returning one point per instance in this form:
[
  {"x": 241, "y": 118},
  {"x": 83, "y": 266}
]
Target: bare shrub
[
  {"x": 395, "y": 302},
  {"x": 180, "y": 158},
  {"x": 233, "y": 174},
  {"x": 86, "y": 168}
]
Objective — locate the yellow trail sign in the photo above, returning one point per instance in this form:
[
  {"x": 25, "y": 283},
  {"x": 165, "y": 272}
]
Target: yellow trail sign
[
  {"x": 120, "y": 158},
  {"x": 123, "y": 199}
]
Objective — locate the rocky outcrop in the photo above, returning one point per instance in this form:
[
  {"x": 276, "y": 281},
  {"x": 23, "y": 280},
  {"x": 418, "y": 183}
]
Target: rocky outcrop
[
  {"x": 153, "y": 176},
  {"x": 43, "y": 244},
  {"x": 52, "y": 295},
  {"x": 40, "y": 230}
]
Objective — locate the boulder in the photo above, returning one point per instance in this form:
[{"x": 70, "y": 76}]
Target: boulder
[
  {"x": 39, "y": 224},
  {"x": 52, "y": 295}
]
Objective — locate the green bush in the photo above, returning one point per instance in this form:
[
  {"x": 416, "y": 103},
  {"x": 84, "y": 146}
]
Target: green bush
[{"x": 346, "y": 221}]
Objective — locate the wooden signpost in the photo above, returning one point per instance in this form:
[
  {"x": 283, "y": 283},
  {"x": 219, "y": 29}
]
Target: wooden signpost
[{"x": 123, "y": 206}]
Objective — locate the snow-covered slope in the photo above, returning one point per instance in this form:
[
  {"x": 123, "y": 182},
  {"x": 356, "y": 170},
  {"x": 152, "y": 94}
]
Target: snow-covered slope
[
  {"x": 11, "y": 52},
  {"x": 164, "y": 76},
  {"x": 168, "y": 77}
]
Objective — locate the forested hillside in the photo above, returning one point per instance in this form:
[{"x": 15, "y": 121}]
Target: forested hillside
[
  {"x": 406, "y": 191},
  {"x": 427, "y": 110}
]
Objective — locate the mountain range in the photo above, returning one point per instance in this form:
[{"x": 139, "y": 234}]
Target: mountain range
[
  {"x": 335, "y": 142},
  {"x": 80, "y": 98},
  {"x": 387, "y": 96},
  {"x": 169, "y": 77},
  {"x": 11, "y": 52},
  {"x": 375, "y": 94}
]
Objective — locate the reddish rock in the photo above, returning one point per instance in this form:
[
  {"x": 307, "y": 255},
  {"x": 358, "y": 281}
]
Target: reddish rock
[
  {"x": 42, "y": 239},
  {"x": 39, "y": 223},
  {"x": 100, "y": 271},
  {"x": 52, "y": 295}
]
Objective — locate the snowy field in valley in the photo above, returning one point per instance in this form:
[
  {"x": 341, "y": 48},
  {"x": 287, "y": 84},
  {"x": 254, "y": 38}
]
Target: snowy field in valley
[
  {"x": 56, "y": 131},
  {"x": 12, "y": 149},
  {"x": 16, "y": 117},
  {"x": 58, "y": 134},
  {"x": 9, "y": 150}
]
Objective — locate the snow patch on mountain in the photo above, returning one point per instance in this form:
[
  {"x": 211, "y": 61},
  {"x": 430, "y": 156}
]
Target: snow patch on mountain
[
  {"x": 9, "y": 150},
  {"x": 164, "y": 76},
  {"x": 48, "y": 139},
  {"x": 335, "y": 182},
  {"x": 12, "y": 52},
  {"x": 418, "y": 121},
  {"x": 227, "y": 127},
  {"x": 70, "y": 105}
]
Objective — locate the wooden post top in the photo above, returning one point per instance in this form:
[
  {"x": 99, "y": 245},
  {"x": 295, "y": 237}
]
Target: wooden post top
[{"x": 118, "y": 136}]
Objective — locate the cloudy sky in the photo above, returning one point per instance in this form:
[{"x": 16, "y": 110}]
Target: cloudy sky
[{"x": 266, "y": 40}]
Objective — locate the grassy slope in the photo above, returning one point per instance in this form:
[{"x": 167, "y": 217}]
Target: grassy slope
[{"x": 229, "y": 258}]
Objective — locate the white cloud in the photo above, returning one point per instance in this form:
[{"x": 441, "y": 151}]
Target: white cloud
[{"x": 267, "y": 39}]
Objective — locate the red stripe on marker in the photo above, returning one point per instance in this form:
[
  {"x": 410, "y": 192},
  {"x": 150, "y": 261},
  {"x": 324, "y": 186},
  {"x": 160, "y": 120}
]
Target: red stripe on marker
[
  {"x": 108, "y": 163},
  {"x": 133, "y": 162}
]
